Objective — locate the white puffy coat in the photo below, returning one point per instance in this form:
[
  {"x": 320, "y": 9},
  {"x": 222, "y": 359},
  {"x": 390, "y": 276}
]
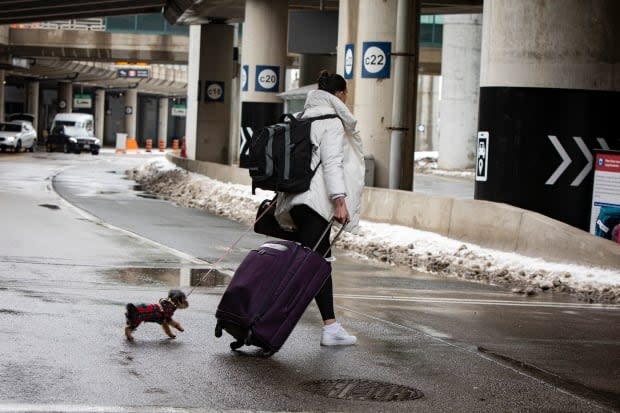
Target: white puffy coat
[{"x": 338, "y": 146}]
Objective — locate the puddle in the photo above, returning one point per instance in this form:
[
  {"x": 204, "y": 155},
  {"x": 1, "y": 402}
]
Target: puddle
[
  {"x": 49, "y": 206},
  {"x": 177, "y": 277}
]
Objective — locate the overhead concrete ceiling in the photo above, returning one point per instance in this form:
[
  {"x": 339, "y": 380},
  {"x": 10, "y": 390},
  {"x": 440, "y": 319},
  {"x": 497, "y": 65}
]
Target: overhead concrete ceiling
[
  {"x": 234, "y": 10},
  {"x": 180, "y": 11},
  {"x": 23, "y": 11}
]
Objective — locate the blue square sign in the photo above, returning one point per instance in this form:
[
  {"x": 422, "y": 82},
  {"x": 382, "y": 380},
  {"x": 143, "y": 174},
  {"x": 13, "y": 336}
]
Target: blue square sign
[
  {"x": 214, "y": 91},
  {"x": 376, "y": 58},
  {"x": 267, "y": 79},
  {"x": 349, "y": 61}
]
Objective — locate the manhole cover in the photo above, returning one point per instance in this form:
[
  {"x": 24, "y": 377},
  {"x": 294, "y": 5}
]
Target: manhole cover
[{"x": 367, "y": 390}]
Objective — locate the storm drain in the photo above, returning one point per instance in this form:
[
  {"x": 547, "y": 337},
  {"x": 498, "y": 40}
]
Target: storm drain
[{"x": 364, "y": 390}]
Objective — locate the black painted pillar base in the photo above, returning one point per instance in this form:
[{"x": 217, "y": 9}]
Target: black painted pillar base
[
  {"x": 255, "y": 115},
  {"x": 541, "y": 143}
]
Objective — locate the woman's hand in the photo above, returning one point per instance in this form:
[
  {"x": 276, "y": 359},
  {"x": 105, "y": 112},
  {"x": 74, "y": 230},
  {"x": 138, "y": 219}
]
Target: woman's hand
[{"x": 342, "y": 213}]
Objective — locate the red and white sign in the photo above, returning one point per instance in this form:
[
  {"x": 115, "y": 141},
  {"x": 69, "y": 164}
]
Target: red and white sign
[{"x": 606, "y": 195}]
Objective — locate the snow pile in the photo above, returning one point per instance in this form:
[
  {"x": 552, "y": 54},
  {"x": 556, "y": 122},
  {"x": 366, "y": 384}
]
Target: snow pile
[
  {"x": 397, "y": 245},
  {"x": 426, "y": 163}
]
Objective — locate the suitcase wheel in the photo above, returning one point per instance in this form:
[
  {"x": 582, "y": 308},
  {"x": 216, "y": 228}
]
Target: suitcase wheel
[
  {"x": 236, "y": 345},
  {"x": 218, "y": 330}
]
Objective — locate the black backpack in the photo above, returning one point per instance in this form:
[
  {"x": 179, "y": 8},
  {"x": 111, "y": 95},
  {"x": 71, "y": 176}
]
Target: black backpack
[{"x": 280, "y": 155}]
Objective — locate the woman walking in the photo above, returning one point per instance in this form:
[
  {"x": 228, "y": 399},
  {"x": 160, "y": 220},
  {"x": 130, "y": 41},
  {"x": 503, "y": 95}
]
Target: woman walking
[{"x": 335, "y": 189}]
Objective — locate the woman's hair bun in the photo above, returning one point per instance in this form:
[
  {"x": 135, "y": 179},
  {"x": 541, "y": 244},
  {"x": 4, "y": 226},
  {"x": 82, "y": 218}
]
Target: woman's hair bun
[
  {"x": 323, "y": 79},
  {"x": 331, "y": 83}
]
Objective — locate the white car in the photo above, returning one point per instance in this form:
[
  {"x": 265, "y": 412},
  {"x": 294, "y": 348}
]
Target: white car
[{"x": 17, "y": 135}]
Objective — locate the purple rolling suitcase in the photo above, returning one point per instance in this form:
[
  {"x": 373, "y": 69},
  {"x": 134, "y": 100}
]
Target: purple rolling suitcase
[{"x": 269, "y": 292}]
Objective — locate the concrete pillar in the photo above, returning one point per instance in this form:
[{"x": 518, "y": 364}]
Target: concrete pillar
[
  {"x": 424, "y": 122},
  {"x": 263, "y": 56},
  {"x": 131, "y": 108},
  {"x": 235, "y": 99},
  {"x": 549, "y": 89},
  {"x": 4, "y": 41},
  {"x": 371, "y": 99},
  {"x": 209, "y": 90},
  {"x": 2, "y": 80},
  {"x": 310, "y": 67},
  {"x": 162, "y": 120},
  {"x": 99, "y": 113},
  {"x": 65, "y": 97},
  {"x": 460, "y": 71},
  {"x": 427, "y": 118},
  {"x": 32, "y": 101}
]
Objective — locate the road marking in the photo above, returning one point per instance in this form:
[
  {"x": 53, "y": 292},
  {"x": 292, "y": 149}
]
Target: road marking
[{"x": 473, "y": 301}]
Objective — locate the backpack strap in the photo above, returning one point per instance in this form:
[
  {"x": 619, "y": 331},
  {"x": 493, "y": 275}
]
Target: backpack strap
[{"x": 329, "y": 116}]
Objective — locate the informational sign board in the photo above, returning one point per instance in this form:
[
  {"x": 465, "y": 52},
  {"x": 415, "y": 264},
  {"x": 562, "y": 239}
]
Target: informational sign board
[
  {"x": 267, "y": 79},
  {"x": 132, "y": 73},
  {"x": 605, "y": 215},
  {"x": 244, "y": 78},
  {"x": 121, "y": 142},
  {"x": 376, "y": 59},
  {"x": 214, "y": 91},
  {"x": 349, "y": 61},
  {"x": 82, "y": 101},
  {"x": 178, "y": 111},
  {"x": 482, "y": 156}
]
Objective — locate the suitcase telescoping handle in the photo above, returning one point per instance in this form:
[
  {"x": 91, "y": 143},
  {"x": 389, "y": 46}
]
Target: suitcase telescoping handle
[{"x": 329, "y": 225}]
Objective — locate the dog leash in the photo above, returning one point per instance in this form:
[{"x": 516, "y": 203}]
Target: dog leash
[
  {"x": 244, "y": 233},
  {"x": 233, "y": 245}
]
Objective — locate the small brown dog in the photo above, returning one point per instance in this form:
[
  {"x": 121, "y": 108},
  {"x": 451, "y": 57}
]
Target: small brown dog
[{"x": 157, "y": 313}]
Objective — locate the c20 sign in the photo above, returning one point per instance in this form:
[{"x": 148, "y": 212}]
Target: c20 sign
[
  {"x": 267, "y": 79},
  {"x": 376, "y": 58}
]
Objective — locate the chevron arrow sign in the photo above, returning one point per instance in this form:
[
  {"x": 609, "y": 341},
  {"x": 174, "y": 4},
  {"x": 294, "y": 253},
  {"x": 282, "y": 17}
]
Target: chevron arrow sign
[{"x": 566, "y": 160}]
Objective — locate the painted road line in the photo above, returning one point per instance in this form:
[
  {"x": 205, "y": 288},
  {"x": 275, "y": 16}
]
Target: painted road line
[{"x": 476, "y": 301}]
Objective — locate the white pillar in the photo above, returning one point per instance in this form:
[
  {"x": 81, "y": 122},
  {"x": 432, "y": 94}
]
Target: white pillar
[
  {"x": 65, "y": 97},
  {"x": 131, "y": 108},
  {"x": 371, "y": 98},
  {"x": 2, "y": 80},
  {"x": 460, "y": 70},
  {"x": 264, "y": 58},
  {"x": 99, "y": 113},
  {"x": 209, "y": 90},
  {"x": 235, "y": 101},
  {"x": 162, "y": 120},
  {"x": 424, "y": 122},
  {"x": 33, "y": 102}
]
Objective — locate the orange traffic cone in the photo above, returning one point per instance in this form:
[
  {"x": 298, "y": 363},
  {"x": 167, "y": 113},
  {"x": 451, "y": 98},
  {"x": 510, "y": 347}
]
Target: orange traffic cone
[{"x": 183, "y": 149}]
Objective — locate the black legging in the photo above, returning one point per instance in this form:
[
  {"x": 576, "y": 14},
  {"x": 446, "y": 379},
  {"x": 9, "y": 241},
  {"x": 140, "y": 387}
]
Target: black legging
[{"x": 310, "y": 225}]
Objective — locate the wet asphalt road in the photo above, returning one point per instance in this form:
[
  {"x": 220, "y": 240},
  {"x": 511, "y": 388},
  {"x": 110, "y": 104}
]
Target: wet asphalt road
[{"x": 66, "y": 273}]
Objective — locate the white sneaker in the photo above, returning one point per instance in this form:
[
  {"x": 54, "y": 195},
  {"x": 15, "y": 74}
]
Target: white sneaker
[{"x": 339, "y": 337}]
